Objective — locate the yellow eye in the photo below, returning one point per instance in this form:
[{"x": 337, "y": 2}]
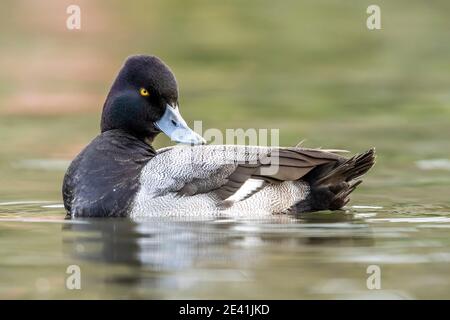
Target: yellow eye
[{"x": 144, "y": 92}]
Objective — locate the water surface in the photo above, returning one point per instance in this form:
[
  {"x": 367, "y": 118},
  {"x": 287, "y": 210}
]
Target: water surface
[{"x": 316, "y": 255}]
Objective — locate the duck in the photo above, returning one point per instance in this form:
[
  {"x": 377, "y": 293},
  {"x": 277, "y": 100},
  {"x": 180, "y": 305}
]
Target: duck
[{"x": 120, "y": 174}]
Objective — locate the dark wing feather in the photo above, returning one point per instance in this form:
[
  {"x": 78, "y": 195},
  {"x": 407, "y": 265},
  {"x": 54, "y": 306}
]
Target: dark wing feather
[{"x": 282, "y": 164}]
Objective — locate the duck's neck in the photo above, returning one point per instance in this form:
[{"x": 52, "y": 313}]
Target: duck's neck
[{"x": 129, "y": 140}]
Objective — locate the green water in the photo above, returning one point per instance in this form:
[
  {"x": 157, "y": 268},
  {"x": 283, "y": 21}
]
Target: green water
[
  {"x": 308, "y": 68},
  {"x": 320, "y": 255}
]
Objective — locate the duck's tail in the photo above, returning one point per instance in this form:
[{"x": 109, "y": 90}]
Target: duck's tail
[{"x": 331, "y": 184}]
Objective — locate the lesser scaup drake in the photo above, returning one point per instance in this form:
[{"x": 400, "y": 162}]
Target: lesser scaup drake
[{"x": 120, "y": 174}]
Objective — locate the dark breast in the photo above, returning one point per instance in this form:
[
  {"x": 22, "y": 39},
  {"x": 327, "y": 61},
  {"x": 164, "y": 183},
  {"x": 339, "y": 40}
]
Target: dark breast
[{"x": 103, "y": 179}]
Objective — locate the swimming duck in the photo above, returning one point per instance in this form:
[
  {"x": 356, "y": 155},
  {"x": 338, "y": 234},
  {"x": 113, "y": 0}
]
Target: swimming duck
[{"x": 120, "y": 174}]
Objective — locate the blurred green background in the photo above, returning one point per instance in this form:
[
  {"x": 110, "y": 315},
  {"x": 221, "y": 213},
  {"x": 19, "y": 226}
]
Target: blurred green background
[{"x": 310, "y": 68}]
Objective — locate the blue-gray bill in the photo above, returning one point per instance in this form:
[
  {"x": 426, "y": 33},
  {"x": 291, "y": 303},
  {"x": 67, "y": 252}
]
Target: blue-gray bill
[{"x": 174, "y": 126}]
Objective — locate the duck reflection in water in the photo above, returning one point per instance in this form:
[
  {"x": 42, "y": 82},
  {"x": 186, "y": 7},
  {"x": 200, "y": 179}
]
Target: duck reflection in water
[{"x": 159, "y": 251}]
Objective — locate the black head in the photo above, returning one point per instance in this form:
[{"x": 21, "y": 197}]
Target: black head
[
  {"x": 143, "y": 101},
  {"x": 138, "y": 97}
]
